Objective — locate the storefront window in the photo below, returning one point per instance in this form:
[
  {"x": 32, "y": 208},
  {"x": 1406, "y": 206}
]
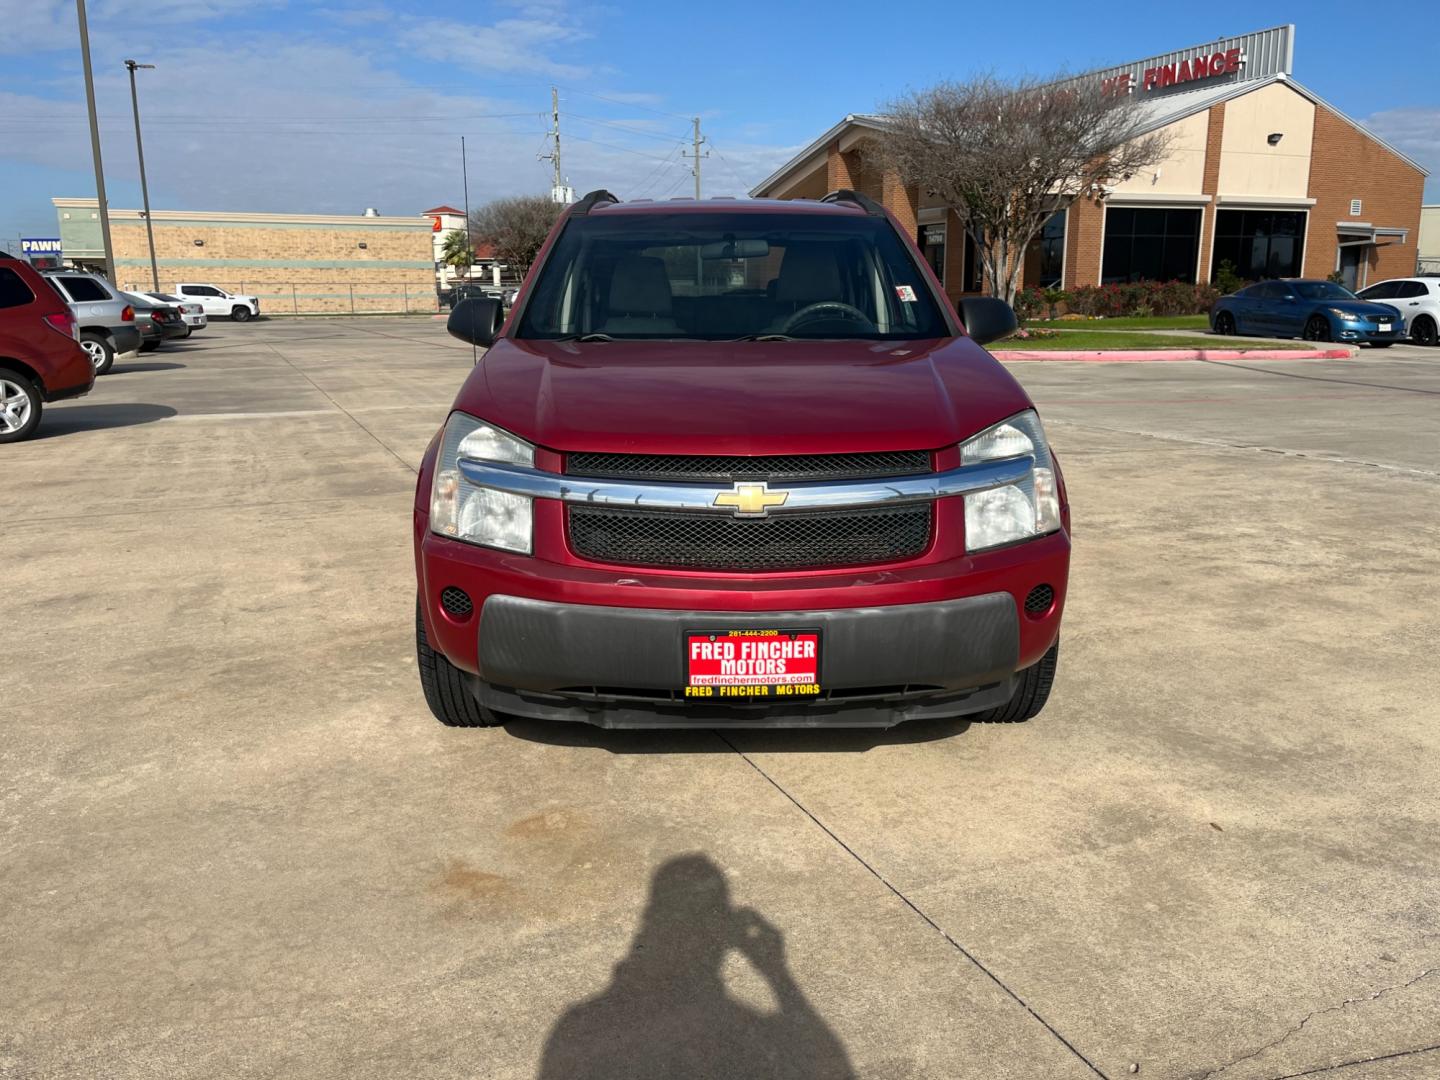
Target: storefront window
[
  {"x": 932, "y": 244},
  {"x": 1052, "y": 251},
  {"x": 1150, "y": 244},
  {"x": 1260, "y": 244}
]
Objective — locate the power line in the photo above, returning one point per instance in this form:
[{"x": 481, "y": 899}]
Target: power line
[
  {"x": 616, "y": 146},
  {"x": 622, "y": 127}
]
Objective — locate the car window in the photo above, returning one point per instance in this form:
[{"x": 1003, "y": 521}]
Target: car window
[
  {"x": 1383, "y": 291},
  {"x": 14, "y": 292},
  {"x": 1322, "y": 290},
  {"x": 1410, "y": 289},
  {"x": 84, "y": 290},
  {"x": 717, "y": 276}
]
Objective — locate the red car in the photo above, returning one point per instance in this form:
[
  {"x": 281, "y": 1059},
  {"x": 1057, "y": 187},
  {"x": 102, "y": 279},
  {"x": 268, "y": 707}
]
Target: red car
[
  {"x": 737, "y": 464},
  {"x": 40, "y": 355}
]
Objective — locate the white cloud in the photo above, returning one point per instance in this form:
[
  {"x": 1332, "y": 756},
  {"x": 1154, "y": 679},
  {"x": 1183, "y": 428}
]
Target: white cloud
[{"x": 1416, "y": 133}]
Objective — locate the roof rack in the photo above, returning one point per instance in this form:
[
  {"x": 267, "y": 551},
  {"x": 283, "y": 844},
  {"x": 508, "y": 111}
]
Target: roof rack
[
  {"x": 590, "y": 201},
  {"x": 869, "y": 205}
]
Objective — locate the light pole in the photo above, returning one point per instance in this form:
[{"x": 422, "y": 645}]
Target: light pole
[
  {"x": 144, "y": 190},
  {"x": 95, "y": 144}
]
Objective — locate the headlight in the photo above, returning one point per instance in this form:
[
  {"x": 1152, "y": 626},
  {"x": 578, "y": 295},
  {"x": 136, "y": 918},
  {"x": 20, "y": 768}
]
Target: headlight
[
  {"x": 1342, "y": 314},
  {"x": 479, "y": 515},
  {"x": 1014, "y": 512}
]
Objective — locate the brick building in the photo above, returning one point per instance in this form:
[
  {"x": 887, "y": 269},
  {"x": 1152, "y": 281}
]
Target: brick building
[
  {"x": 1261, "y": 173},
  {"x": 295, "y": 263}
]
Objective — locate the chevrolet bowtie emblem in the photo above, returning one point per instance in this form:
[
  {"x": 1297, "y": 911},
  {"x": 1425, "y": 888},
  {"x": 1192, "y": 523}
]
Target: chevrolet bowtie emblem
[{"x": 751, "y": 500}]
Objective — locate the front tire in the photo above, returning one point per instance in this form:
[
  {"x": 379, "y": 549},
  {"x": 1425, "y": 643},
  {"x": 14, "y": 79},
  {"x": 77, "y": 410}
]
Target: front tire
[
  {"x": 20, "y": 406},
  {"x": 1317, "y": 329},
  {"x": 1225, "y": 324},
  {"x": 1031, "y": 692},
  {"x": 240, "y": 313},
  {"x": 100, "y": 351},
  {"x": 444, "y": 685}
]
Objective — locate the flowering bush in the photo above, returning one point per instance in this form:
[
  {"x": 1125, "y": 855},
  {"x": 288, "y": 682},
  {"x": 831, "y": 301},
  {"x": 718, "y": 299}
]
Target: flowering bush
[
  {"x": 1029, "y": 304},
  {"x": 1134, "y": 298}
]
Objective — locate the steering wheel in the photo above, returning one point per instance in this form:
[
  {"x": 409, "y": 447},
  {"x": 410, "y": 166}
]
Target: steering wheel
[{"x": 827, "y": 309}]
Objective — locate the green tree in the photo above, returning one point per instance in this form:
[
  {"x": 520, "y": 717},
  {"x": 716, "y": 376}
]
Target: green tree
[{"x": 456, "y": 250}]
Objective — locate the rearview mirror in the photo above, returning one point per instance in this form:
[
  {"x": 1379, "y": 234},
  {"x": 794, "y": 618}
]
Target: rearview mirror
[
  {"x": 752, "y": 248},
  {"x": 987, "y": 319},
  {"x": 476, "y": 320}
]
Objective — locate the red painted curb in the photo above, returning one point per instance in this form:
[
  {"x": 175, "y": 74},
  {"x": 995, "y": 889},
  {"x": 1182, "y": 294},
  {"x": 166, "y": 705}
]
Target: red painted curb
[{"x": 1120, "y": 356}]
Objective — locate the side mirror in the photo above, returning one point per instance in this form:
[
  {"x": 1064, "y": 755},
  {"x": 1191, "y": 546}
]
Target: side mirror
[
  {"x": 987, "y": 319},
  {"x": 476, "y": 320}
]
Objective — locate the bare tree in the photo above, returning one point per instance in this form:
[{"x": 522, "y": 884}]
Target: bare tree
[
  {"x": 515, "y": 228},
  {"x": 1009, "y": 154}
]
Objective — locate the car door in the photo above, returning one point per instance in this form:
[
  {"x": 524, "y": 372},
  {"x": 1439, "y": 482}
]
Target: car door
[
  {"x": 1289, "y": 311},
  {"x": 1244, "y": 306},
  {"x": 207, "y": 297},
  {"x": 1263, "y": 316}
]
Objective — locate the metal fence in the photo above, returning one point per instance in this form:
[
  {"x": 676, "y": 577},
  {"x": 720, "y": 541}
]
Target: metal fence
[{"x": 329, "y": 297}]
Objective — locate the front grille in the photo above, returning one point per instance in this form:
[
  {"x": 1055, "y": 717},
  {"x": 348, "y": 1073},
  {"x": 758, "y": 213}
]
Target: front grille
[
  {"x": 698, "y": 541},
  {"x": 717, "y": 467}
]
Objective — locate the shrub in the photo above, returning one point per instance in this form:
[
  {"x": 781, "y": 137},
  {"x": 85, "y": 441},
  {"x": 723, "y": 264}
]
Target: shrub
[
  {"x": 1227, "y": 279},
  {"x": 1142, "y": 298},
  {"x": 1029, "y": 303}
]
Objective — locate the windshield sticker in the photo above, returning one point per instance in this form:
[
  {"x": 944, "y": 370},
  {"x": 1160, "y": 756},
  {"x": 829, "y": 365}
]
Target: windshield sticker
[{"x": 905, "y": 293}]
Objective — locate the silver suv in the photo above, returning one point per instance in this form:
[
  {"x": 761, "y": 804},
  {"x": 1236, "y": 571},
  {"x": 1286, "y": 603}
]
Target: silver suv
[{"x": 106, "y": 319}]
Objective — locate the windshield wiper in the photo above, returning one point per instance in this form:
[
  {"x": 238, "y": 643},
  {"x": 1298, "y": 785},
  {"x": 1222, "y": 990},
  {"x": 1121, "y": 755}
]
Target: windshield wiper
[
  {"x": 586, "y": 337},
  {"x": 765, "y": 337}
]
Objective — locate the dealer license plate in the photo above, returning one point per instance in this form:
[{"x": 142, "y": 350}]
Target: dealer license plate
[
  {"x": 737, "y": 664},
  {"x": 1384, "y": 327}
]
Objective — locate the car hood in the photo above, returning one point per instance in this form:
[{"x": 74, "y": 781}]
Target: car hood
[
  {"x": 741, "y": 397},
  {"x": 1361, "y": 307}
]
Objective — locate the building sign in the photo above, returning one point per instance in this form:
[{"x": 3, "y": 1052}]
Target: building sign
[
  {"x": 1228, "y": 60},
  {"x": 46, "y": 246}
]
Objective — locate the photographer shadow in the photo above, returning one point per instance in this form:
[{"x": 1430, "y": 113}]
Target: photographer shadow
[{"x": 667, "y": 1013}]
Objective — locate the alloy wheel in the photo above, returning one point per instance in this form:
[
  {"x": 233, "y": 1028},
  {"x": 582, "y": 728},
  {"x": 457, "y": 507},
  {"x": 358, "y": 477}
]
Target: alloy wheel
[
  {"x": 1225, "y": 323},
  {"x": 14, "y": 407},
  {"x": 1424, "y": 331},
  {"x": 95, "y": 350},
  {"x": 1317, "y": 329}
]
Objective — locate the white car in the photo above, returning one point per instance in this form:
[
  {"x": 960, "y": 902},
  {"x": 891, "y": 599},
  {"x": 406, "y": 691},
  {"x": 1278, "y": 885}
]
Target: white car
[
  {"x": 192, "y": 311},
  {"x": 1417, "y": 298},
  {"x": 216, "y": 301}
]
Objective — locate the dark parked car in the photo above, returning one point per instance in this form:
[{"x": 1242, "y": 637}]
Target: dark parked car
[
  {"x": 167, "y": 319},
  {"x": 1314, "y": 310},
  {"x": 41, "y": 358},
  {"x": 794, "y": 492}
]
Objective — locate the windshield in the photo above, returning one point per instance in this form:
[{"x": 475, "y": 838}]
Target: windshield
[
  {"x": 1323, "y": 290},
  {"x": 727, "y": 276}
]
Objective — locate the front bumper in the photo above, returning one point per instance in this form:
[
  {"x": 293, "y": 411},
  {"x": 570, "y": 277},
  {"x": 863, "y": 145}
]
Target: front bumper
[
  {"x": 1370, "y": 331},
  {"x": 624, "y": 667}
]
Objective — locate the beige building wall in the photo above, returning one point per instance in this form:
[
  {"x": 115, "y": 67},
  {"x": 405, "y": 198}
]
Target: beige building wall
[
  {"x": 1429, "y": 243},
  {"x": 1249, "y": 165},
  {"x": 294, "y": 263},
  {"x": 1183, "y": 170}
]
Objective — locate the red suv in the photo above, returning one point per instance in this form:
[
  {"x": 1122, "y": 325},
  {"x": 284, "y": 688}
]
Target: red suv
[
  {"x": 737, "y": 464},
  {"x": 40, "y": 355}
]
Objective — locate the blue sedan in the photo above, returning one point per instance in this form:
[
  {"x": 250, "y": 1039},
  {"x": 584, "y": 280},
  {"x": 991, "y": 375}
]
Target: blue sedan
[{"x": 1314, "y": 310}]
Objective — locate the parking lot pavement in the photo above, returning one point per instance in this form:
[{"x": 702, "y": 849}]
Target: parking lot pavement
[{"x": 236, "y": 844}]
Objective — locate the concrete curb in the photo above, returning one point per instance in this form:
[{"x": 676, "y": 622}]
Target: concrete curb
[{"x": 1120, "y": 356}]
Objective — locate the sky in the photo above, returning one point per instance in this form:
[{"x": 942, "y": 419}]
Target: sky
[{"x": 333, "y": 107}]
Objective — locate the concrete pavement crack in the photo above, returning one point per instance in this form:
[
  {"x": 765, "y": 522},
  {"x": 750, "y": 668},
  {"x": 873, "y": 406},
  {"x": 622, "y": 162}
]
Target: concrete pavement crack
[
  {"x": 1364, "y": 999},
  {"x": 382, "y": 443},
  {"x": 1360, "y": 1061},
  {"x": 957, "y": 946}
]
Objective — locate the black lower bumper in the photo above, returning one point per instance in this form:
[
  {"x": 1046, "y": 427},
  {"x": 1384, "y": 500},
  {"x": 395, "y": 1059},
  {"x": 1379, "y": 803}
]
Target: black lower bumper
[{"x": 624, "y": 667}]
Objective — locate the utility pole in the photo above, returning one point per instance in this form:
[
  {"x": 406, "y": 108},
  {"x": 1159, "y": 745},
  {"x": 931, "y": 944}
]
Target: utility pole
[
  {"x": 95, "y": 144},
  {"x": 557, "y": 182},
  {"x": 144, "y": 189},
  {"x": 696, "y": 155}
]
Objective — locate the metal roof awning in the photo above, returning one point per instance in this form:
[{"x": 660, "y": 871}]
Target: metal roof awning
[{"x": 1357, "y": 233}]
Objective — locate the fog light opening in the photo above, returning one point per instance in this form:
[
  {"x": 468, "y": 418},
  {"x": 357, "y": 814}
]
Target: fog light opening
[
  {"x": 457, "y": 603},
  {"x": 1039, "y": 602}
]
